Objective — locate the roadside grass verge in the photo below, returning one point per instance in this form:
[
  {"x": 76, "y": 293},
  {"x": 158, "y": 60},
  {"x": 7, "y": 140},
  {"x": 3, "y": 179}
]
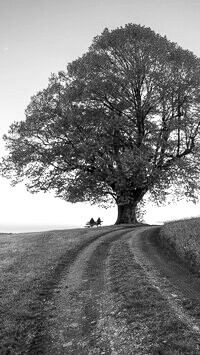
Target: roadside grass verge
[
  {"x": 31, "y": 265},
  {"x": 183, "y": 238},
  {"x": 151, "y": 325}
]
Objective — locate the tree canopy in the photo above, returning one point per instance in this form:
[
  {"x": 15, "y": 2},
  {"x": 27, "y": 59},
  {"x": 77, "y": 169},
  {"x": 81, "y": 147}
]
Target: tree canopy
[{"x": 121, "y": 121}]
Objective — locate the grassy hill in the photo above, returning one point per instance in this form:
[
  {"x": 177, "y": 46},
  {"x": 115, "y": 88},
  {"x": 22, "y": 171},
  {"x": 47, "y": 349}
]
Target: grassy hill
[
  {"x": 32, "y": 265},
  {"x": 183, "y": 238}
]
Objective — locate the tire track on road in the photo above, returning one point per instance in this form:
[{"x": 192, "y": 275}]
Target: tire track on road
[
  {"x": 69, "y": 313},
  {"x": 172, "y": 278},
  {"x": 94, "y": 287},
  {"x": 43, "y": 307}
]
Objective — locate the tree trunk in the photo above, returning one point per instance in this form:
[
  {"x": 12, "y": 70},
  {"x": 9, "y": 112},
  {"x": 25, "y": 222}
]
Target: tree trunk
[
  {"x": 127, "y": 214},
  {"x": 127, "y": 206}
]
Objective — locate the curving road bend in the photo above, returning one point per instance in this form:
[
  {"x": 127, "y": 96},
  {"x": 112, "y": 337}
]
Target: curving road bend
[
  {"x": 74, "y": 321},
  {"x": 71, "y": 317}
]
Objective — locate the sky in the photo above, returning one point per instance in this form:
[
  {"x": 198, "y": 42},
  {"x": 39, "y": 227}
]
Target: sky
[{"x": 40, "y": 37}]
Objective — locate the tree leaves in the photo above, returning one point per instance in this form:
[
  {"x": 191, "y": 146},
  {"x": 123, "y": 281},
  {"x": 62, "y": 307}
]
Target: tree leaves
[{"x": 123, "y": 119}]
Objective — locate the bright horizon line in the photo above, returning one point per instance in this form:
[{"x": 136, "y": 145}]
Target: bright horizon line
[
  {"x": 15, "y": 228},
  {"x": 36, "y": 228},
  {"x": 25, "y": 228}
]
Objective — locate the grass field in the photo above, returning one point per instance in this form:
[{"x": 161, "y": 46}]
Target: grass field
[
  {"x": 31, "y": 266},
  {"x": 183, "y": 237},
  {"x": 28, "y": 263}
]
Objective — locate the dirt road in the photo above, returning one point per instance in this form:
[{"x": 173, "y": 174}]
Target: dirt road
[
  {"x": 69, "y": 318},
  {"x": 170, "y": 276},
  {"x": 84, "y": 310}
]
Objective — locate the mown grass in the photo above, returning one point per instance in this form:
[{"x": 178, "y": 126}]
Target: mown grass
[
  {"x": 31, "y": 264},
  {"x": 183, "y": 237}
]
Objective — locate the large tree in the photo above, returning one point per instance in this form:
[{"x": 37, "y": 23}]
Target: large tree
[{"x": 123, "y": 120}]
